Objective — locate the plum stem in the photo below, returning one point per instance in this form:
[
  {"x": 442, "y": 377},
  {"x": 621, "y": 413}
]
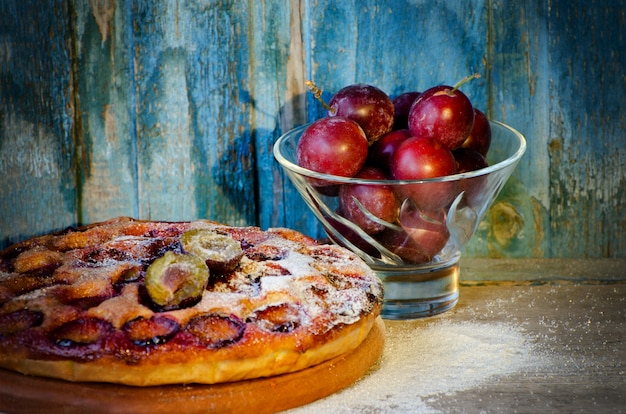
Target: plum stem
[
  {"x": 317, "y": 93},
  {"x": 464, "y": 81}
]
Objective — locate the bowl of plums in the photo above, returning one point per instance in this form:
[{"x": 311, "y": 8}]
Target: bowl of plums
[{"x": 402, "y": 182}]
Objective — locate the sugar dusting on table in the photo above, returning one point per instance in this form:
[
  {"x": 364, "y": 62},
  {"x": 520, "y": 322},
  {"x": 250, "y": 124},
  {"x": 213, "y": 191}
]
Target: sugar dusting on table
[{"x": 438, "y": 358}]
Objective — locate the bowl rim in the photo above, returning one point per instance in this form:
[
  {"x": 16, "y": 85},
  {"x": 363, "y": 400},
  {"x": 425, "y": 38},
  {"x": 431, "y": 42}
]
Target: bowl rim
[{"x": 513, "y": 159}]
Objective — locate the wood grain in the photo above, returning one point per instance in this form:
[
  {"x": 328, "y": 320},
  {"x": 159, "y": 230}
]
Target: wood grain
[
  {"x": 580, "y": 328},
  {"x": 38, "y": 190},
  {"x": 576, "y": 362},
  {"x": 169, "y": 109}
]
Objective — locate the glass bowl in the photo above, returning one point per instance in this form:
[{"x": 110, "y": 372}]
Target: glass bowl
[{"x": 417, "y": 255}]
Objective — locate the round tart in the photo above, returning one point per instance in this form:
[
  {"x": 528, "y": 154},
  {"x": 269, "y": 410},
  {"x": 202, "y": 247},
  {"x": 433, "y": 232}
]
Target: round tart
[{"x": 148, "y": 303}]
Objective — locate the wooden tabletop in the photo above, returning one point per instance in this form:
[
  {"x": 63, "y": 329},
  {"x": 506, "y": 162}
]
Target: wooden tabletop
[{"x": 554, "y": 343}]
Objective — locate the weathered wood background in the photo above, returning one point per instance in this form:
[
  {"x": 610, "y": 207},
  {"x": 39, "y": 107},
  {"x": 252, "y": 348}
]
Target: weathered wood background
[{"x": 169, "y": 109}]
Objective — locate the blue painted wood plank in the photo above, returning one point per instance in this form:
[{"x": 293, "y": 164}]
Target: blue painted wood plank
[
  {"x": 104, "y": 120},
  {"x": 398, "y": 46},
  {"x": 557, "y": 76},
  {"x": 38, "y": 192},
  {"x": 587, "y": 144},
  {"x": 195, "y": 154},
  {"x": 277, "y": 91}
]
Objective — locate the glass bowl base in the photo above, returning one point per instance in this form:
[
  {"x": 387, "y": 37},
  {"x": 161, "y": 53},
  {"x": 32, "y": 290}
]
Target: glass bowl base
[{"x": 411, "y": 295}]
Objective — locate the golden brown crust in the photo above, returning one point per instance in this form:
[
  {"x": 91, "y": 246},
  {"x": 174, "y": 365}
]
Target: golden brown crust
[
  {"x": 28, "y": 394},
  {"x": 73, "y": 306},
  {"x": 265, "y": 361}
]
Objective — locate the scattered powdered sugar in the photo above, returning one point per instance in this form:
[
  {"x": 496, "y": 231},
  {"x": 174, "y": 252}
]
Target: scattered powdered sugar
[
  {"x": 437, "y": 359},
  {"x": 297, "y": 264}
]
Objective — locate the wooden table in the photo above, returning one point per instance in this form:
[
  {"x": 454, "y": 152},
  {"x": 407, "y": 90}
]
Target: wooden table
[{"x": 552, "y": 341}]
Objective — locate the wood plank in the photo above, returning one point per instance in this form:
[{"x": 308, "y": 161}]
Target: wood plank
[
  {"x": 276, "y": 83},
  {"x": 549, "y": 64},
  {"x": 38, "y": 190},
  {"x": 195, "y": 157},
  {"x": 107, "y": 184},
  {"x": 586, "y": 147},
  {"x": 397, "y": 47}
]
